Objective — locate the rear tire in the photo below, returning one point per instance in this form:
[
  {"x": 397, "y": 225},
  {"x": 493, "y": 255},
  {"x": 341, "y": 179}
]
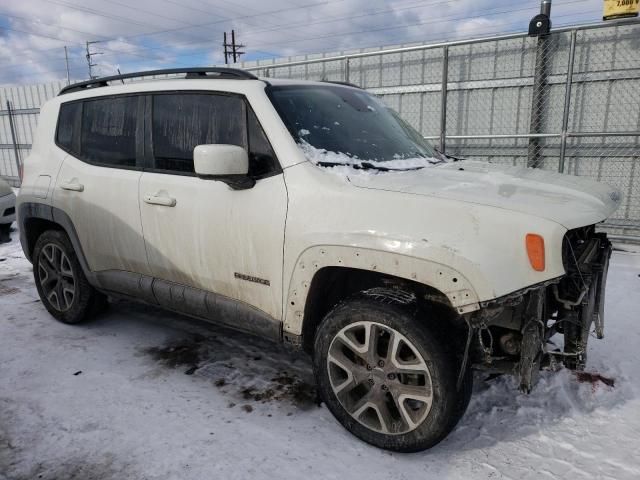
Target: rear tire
[
  {"x": 388, "y": 378},
  {"x": 60, "y": 281}
]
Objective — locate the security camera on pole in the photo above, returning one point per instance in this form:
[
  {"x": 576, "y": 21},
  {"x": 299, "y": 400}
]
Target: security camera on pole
[
  {"x": 541, "y": 23},
  {"x": 540, "y": 26}
]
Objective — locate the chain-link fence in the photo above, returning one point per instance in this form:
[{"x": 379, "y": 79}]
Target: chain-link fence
[{"x": 569, "y": 101}]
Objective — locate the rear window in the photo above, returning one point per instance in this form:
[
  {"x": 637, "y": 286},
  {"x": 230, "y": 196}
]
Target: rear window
[{"x": 109, "y": 131}]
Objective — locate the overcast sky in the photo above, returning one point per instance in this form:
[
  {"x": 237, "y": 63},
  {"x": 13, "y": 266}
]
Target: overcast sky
[{"x": 144, "y": 34}]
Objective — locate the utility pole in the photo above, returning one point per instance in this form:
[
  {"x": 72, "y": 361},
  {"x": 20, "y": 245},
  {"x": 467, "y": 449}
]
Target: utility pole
[
  {"x": 66, "y": 61},
  {"x": 231, "y": 50},
  {"x": 89, "y": 56},
  {"x": 540, "y": 26}
]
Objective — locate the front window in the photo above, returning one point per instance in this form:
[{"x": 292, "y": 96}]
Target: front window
[{"x": 341, "y": 125}]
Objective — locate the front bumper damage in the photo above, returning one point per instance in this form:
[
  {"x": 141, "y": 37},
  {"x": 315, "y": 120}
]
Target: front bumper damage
[{"x": 516, "y": 334}]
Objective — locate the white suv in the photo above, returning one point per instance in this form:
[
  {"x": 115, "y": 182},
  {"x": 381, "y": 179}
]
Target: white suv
[{"x": 309, "y": 213}]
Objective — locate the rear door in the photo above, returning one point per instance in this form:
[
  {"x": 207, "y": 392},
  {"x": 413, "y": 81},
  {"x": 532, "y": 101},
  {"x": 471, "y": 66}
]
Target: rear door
[
  {"x": 200, "y": 232},
  {"x": 97, "y": 186}
]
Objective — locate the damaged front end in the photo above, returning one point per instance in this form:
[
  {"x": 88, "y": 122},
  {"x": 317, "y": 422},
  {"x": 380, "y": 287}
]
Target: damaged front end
[{"x": 513, "y": 334}]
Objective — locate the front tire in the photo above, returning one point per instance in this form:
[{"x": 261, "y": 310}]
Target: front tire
[
  {"x": 386, "y": 376},
  {"x": 60, "y": 281}
]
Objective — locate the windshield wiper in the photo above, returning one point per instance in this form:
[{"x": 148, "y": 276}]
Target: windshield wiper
[
  {"x": 366, "y": 166},
  {"x": 446, "y": 156},
  {"x": 431, "y": 160}
]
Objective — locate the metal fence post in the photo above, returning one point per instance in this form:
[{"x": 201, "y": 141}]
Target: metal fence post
[
  {"x": 346, "y": 69},
  {"x": 567, "y": 101},
  {"x": 539, "y": 95},
  {"x": 13, "y": 136},
  {"x": 443, "y": 99}
]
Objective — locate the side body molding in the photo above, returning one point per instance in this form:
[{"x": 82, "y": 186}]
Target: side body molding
[
  {"x": 182, "y": 299},
  {"x": 454, "y": 285},
  {"x": 191, "y": 301}
]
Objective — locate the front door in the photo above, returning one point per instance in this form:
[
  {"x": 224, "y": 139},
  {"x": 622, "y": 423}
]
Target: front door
[{"x": 200, "y": 232}]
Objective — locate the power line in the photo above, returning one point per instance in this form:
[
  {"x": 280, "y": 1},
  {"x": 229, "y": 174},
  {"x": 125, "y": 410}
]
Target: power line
[
  {"x": 442, "y": 20},
  {"x": 207, "y": 24},
  {"x": 517, "y": 29},
  {"x": 148, "y": 34},
  {"x": 417, "y": 24},
  {"x": 132, "y": 53},
  {"x": 39, "y": 23},
  {"x": 369, "y": 30},
  {"x": 163, "y": 47},
  {"x": 420, "y": 4},
  {"x": 99, "y": 13}
]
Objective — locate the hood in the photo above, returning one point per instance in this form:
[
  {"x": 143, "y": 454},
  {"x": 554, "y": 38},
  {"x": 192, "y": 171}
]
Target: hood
[
  {"x": 569, "y": 200},
  {"x": 5, "y": 189}
]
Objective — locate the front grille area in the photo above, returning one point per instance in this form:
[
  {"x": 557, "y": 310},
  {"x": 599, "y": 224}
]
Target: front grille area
[{"x": 576, "y": 243}]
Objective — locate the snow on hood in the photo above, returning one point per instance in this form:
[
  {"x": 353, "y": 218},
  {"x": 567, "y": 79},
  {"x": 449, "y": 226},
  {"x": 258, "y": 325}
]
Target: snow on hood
[
  {"x": 320, "y": 156},
  {"x": 569, "y": 200}
]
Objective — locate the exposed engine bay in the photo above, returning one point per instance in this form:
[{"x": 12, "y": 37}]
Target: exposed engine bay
[{"x": 516, "y": 334}]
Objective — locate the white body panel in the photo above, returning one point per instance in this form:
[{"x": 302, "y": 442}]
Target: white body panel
[
  {"x": 41, "y": 168},
  {"x": 426, "y": 239},
  {"x": 102, "y": 203},
  {"x": 213, "y": 233}
]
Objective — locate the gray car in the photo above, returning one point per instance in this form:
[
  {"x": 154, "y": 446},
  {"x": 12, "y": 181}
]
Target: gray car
[{"x": 7, "y": 206}]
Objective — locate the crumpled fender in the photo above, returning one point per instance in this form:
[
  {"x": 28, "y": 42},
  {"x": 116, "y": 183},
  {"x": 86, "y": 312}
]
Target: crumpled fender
[{"x": 456, "y": 286}]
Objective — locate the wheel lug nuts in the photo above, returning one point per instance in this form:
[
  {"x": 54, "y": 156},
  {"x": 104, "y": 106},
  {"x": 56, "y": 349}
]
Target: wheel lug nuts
[
  {"x": 381, "y": 363},
  {"x": 369, "y": 367},
  {"x": 391, "y": 376},
  {"x": 371, "y": 382},
  {"x": 385, "y": 388}
]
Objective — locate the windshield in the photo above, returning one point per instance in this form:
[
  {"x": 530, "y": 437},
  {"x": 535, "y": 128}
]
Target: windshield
[{"x": 351, "y": 122}]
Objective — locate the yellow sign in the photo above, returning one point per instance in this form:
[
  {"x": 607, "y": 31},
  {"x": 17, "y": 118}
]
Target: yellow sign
[{"x": 614, "y": 9}]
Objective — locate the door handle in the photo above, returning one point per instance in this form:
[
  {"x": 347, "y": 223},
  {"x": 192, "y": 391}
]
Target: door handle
[
  {"x": 159, "y": 199},
  {"x": 72, "y": 185}
]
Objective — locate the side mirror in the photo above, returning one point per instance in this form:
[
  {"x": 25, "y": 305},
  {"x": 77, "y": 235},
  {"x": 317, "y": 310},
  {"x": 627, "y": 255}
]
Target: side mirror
[{"x": 227, "y": 163}]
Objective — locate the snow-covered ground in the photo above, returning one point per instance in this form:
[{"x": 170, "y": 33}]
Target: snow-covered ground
[{"x": 121, "y": 398}]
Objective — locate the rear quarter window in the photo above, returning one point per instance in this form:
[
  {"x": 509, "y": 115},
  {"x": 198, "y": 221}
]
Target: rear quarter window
[{"x": 68, "y": 131}]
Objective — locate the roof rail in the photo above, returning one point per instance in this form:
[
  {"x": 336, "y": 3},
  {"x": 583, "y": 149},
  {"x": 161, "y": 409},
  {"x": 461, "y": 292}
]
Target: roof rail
[
  {"x": 195, "y": 72},
  {"x": 338, "y": 82}
]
